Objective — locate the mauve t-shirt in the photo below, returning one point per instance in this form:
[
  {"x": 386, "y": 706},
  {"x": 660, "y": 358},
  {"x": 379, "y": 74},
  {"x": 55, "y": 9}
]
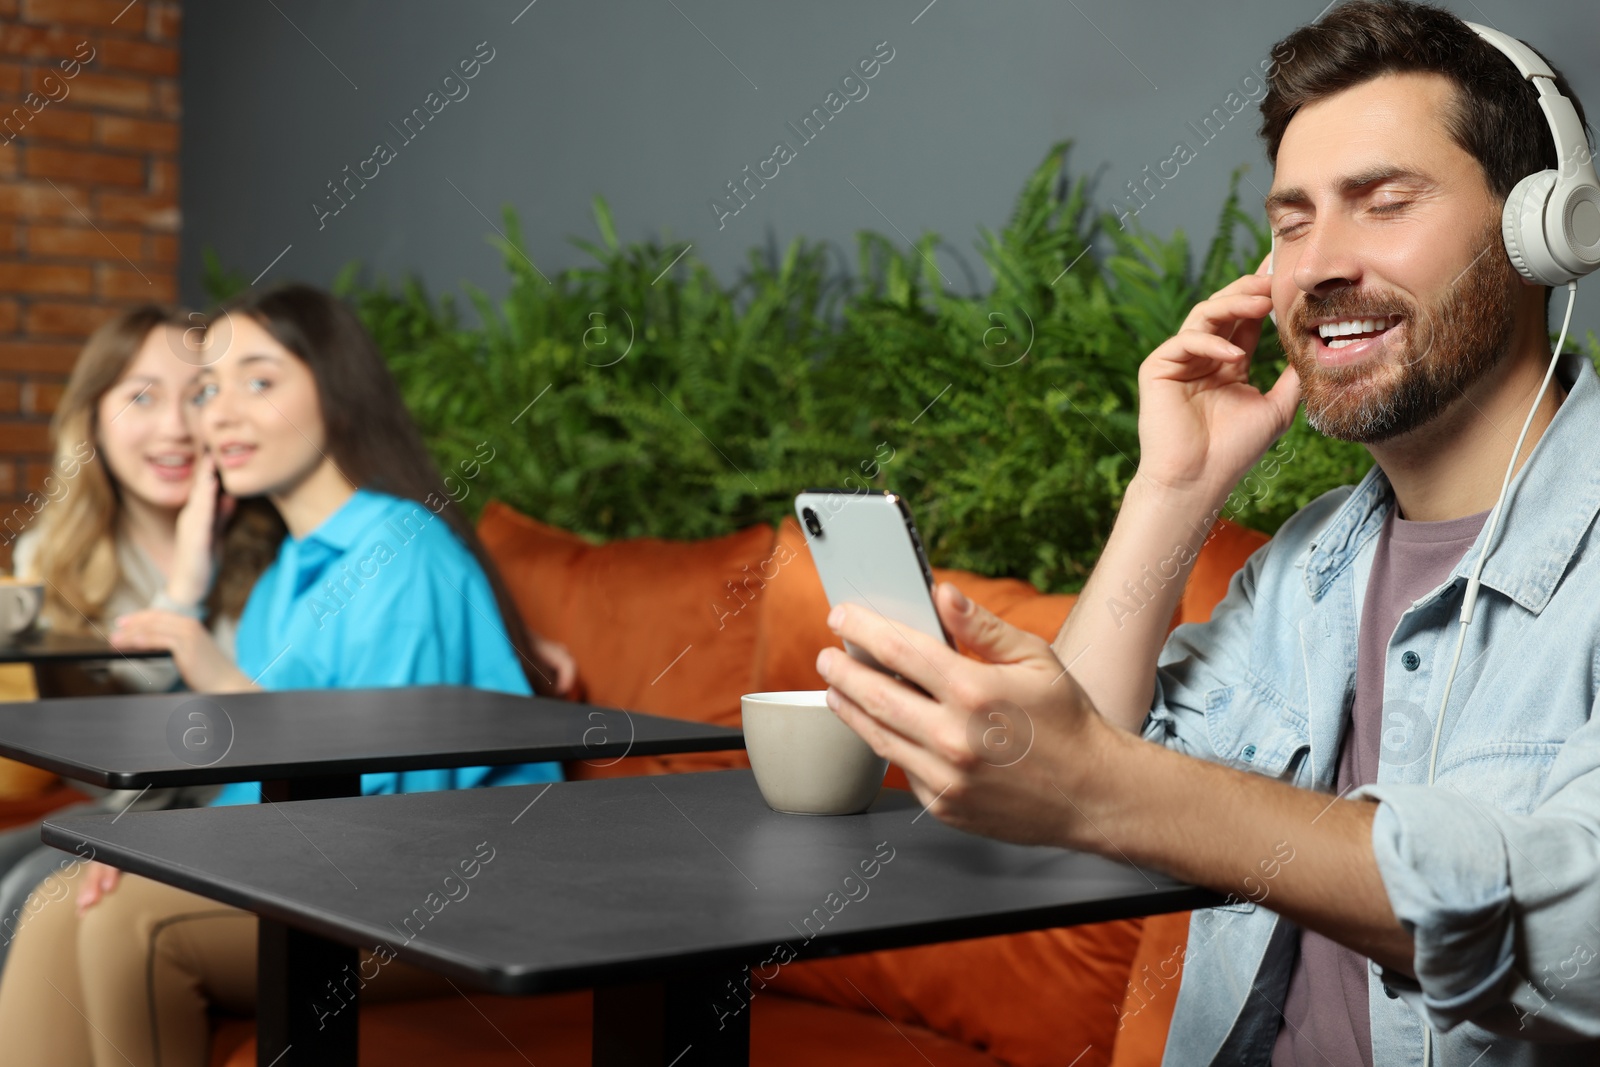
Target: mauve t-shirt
[{"x": 1325, "y": 1018}]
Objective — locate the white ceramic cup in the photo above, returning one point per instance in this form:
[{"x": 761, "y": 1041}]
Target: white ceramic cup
[
  {"x": 20, "y": 601},
  {"x": 805, "y": 760}
]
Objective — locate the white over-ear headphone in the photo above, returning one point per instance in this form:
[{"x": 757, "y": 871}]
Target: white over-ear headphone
[{"x": 1551, "y": 221}]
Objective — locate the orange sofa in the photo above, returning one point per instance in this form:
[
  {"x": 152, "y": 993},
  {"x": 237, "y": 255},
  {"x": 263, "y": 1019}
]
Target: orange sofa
[{"x": 684, "y": 629}]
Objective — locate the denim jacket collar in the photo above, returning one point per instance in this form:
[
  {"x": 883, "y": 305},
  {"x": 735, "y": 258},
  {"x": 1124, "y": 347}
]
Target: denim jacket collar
[{"x": 1539, "y": 528}]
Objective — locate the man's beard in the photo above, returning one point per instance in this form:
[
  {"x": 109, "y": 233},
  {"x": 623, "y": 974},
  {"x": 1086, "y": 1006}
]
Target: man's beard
[{"x": 1454, "y": 343}]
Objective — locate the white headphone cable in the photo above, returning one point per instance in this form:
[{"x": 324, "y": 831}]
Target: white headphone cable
[{"x": 1471, "y": 598}]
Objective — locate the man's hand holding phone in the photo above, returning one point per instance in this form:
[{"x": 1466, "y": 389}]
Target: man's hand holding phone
[{"x": 989, "y": 741}]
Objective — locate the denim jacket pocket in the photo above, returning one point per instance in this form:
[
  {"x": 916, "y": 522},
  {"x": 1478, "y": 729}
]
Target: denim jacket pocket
[
  {"x": 1508, "y": 776},
  {"x": 1244, "y": 907},
  {"x": 1251, "y": 727}
]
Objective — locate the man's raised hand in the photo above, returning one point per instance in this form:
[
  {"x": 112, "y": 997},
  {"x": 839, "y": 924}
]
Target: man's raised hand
[{"x": 1202, "y": 425}]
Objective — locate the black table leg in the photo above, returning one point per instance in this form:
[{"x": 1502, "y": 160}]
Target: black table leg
[
  {"x": 694, "y": 1019},
  {"x": 306, "y": 1002},
  {"x": 307, "y": 1005}
]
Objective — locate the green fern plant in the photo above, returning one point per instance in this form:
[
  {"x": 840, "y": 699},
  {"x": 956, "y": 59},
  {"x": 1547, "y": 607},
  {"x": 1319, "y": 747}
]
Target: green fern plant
[{"x": 637, "y": 395}]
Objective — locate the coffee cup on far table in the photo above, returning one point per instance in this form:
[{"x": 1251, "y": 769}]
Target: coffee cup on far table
[
  {"x": 20, "y": 600},
  {"x": 805, "y": 760}
]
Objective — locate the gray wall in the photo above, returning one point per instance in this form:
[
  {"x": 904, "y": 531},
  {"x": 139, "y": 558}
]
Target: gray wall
[{"x": 631, "y": 100}]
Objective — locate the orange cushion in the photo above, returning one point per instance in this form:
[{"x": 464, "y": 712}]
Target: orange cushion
[
  {"x": 554, "y": 1031},
  {"x": 654, "y": 625},
  {"x": 535, "y": 560},
  {"x": 1040, "y": 615},
  {"x": 1226, "y": 548},
  {"x": 22, "y": 810},
  {"x": 1030, "y": 1000},
  {"x": 999, "y": 595},
  {"x": 1145, "y": 1015}
]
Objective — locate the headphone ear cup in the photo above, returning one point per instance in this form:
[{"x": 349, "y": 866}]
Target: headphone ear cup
[
  {"x": 1522, "y": 226},
  {"x": 1580, "y": 229}
]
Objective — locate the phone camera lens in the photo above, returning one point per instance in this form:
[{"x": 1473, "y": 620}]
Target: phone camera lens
[{"x": 813, "y": 523}]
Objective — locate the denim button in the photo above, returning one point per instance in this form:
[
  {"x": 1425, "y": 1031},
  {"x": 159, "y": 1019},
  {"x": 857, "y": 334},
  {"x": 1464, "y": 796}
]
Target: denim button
[
  {"x": 1249, "y": 754},
  {"x": 1377, "y": 972},
  {"x": 1410, "y": 661}
]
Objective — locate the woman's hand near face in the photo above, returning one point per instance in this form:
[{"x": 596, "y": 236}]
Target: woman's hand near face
[
  {"x": 192, "y": 557},
  {"x": 204, "y": 666}
]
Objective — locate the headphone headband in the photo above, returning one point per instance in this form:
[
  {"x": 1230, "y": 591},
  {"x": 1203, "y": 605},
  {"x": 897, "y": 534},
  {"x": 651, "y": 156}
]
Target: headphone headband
[
  {"x": 1572, "y": 147},
  {"x": 1529, "y": 63},
  {"x": 1551, "y": 222}
]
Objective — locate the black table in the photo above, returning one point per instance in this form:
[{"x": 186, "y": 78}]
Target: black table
[
  {"x": 317, "y": 742},
  {"x": 47, "y": 647},
  {"x": 312, "y": 744},
  {"x": 659, "y": 891}
]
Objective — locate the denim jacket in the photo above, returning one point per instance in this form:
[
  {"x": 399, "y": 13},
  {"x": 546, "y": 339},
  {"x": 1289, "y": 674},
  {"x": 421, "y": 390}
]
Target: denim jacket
[{"x": 1495, "y": 868}]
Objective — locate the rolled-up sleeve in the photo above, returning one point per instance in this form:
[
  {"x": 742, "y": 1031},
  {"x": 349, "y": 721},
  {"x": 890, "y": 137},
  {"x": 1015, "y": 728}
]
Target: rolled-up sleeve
[{"x": 1504, "y": 908}]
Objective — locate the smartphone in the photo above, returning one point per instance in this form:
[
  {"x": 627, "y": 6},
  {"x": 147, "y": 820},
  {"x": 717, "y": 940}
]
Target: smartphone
[{"x": 867, "y": 551}]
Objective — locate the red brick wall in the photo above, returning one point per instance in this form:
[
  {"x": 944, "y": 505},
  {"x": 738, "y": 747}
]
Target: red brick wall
[{"x": 88, "y": 196}]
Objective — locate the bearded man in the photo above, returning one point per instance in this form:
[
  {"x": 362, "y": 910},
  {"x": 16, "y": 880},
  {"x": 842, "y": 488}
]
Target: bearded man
[{"x": 1404, "y": 812}]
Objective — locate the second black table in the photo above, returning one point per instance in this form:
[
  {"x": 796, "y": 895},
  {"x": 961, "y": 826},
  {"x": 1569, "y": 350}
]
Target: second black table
[
  {"x": 45, "y": 647},
  {"x": 316, "y": 743}
]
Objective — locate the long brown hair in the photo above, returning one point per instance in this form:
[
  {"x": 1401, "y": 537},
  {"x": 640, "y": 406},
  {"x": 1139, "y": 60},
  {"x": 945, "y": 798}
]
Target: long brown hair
[
  {"x": 77, "y": 555},
  {"x": 370, "y": 435}
]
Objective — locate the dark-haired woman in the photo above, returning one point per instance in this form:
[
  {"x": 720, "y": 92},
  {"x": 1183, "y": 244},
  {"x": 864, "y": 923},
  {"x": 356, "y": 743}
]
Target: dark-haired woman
[{"x": 379, "y": 582}]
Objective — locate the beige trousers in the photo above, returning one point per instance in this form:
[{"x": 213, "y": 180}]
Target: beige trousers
[{"x": 130, "y": 982}]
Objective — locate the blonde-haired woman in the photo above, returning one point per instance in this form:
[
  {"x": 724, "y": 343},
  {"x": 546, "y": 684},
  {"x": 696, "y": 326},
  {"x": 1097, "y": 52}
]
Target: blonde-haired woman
[
  {"x": 124, "y": 525},
  {"x": 130, "y": 479}
]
